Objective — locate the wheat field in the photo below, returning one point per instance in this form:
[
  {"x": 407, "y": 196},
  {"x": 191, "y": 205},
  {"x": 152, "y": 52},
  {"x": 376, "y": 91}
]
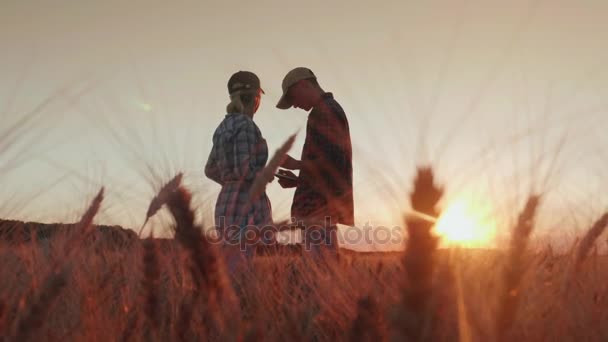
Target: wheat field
[{"x": 84, "y": 285}]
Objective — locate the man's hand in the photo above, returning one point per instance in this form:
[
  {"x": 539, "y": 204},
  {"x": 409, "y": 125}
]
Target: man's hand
[
  {"x": 290, "y": 163},
  {"x": 287, "y": 183}
]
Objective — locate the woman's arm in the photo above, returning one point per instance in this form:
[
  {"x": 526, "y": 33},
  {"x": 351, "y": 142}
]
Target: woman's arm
[
  {"x": 246, "y": 147},
  {"x": 211, "y": 170}
]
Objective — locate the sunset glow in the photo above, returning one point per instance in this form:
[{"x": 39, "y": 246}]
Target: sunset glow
[{"x": 465, "y": 224}]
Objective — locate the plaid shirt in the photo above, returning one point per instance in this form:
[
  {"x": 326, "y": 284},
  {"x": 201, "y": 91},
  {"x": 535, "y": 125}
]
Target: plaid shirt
[
  {"x": 239, "y": 152},
  {"x": 325, "y": 186}
]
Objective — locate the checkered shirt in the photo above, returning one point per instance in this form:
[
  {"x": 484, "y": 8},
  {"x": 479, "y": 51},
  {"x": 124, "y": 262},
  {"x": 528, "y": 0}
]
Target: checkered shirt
[
  {"x": 325, "y": 186},
  {"x": 239, "y": 152}
]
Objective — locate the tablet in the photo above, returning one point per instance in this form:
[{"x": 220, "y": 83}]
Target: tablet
[{"x": 286, "y": 177}]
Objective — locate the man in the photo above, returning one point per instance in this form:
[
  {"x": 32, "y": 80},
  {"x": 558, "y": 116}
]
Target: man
[{"x": 324, "y": 187}]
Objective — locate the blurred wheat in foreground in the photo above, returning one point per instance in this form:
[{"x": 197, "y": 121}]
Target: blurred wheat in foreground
[{"x": 73, "y": 282}]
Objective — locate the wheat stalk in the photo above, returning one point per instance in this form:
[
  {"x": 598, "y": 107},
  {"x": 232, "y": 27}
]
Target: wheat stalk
[
  {"x": 414, "y": 320},
  {"x": 267, "y": 173},
  {"x": 587, "y": 242},
  {"x": 368, "y": 325},
  {"x": 207, "y": 269},
  {"x": 86, "y": 220},
  {"x": 131, "y": 327},
  {"x": 84, "y": 226},
  {"x": 161, "y": 198},
  {"x": 514, "y": 268},
  {"x": 150, "y": 283},
  {"x": 2, "y": 311},
  {"x": 33, "y": 317}
]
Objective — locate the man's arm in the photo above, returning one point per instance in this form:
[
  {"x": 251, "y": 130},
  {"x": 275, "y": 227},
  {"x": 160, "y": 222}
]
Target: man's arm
[{"x": 291, "y": 164}]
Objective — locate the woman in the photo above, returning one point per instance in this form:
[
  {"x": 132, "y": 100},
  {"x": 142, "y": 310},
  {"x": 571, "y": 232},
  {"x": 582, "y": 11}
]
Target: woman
[{"x": 239, "y": 153}]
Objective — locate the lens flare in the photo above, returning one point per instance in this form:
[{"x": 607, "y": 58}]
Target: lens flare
[{"x": 146, "y": 107}]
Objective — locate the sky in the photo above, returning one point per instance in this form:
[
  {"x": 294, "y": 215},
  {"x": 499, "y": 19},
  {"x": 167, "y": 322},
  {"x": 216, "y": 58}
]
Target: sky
[{"x": 499, "y": 97}]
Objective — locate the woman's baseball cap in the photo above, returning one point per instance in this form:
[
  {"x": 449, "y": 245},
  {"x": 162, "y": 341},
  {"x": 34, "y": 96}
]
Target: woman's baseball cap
[{"x": 243, "y": 80}]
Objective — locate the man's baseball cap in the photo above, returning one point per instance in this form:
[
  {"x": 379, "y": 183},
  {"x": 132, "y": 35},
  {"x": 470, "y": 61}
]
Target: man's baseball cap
[
  {"x": 243, "y": 80},
  {"x": 294, "y": 76}
]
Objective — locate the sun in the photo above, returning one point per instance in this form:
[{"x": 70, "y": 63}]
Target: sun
[{"x": 465, "y": 224}]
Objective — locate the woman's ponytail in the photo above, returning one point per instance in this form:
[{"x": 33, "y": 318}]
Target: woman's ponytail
[{"x": 240, "y": 100}]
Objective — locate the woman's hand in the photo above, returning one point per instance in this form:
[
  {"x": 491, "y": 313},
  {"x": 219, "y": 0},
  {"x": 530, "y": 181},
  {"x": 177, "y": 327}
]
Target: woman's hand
[
  {"x": 287, "y": 183},
  {"x": 290, "y": 163}
]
